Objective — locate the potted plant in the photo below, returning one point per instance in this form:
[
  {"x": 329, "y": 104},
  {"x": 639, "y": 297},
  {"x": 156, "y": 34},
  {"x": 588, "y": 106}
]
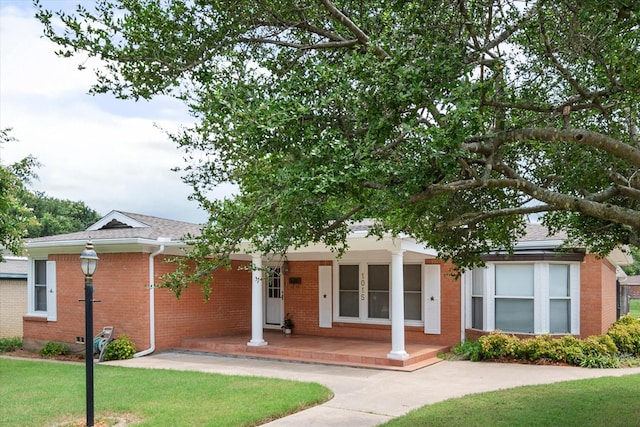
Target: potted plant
[{"x": 287, "y": 325}]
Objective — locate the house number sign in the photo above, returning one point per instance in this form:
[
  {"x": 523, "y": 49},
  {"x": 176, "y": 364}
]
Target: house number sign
[{"x": 362, "y": 287}]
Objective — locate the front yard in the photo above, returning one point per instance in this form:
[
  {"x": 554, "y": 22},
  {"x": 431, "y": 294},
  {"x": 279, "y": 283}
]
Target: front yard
[
  {"x": 38, "y": 393},
  {"x": 608, "y": 401}
]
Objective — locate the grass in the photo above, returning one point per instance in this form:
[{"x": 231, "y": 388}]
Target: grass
[
  {"x": 608, "y": 401},
  {"x": 37, "y": 393},
  {"x": 634, "y": 307}
]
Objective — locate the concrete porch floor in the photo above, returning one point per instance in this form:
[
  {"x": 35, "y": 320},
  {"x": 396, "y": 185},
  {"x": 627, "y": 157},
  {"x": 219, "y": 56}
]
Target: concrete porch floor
[{"x": 316, "y": 349}]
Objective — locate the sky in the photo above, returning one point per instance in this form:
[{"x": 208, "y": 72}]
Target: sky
[{"x": 110, "y": 154}]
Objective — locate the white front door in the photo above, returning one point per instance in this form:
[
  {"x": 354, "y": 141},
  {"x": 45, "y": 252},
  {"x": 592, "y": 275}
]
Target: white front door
[{"x": 273, "y": 313}]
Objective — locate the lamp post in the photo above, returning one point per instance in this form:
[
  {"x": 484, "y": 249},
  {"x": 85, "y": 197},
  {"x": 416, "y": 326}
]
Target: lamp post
[{"x": 88, "y": 263}]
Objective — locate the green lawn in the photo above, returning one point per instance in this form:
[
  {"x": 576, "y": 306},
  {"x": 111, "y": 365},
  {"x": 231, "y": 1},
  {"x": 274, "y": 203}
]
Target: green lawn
[
  {"x": 36, "y": 393},
  {"x": 611, "y": 402},
  {"x": 634, "y": 307}
]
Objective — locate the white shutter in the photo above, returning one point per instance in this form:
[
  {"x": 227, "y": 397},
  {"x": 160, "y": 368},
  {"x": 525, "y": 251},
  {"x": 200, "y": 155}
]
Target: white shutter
[
  {"x": 431, "y": 299},
  {"x": 52, "y": 309},
  {"x": 324, "y": 296}
]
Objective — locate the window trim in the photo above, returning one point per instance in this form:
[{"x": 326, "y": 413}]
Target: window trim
[
  {"x": 51, "y": 290},
  {"x": 363, "y": 291},
  {"x": 541, "y": 297}
]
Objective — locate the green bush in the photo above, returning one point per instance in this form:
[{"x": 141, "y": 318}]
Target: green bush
[
  {"x": 625, "y": 333},
  {"x": 619, "y": 346},
  {"x": 497, "y": 345},
  {"x": 10, "y": 344},
  {"x": 52, "y": 349},
  {"x": 600, "y": 344},
  {"x": 599, "y": 361},
  {"x": 468, "y": 350},
  {"x": 120, "y": 349}
]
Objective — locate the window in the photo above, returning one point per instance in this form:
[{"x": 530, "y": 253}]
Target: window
[
  {"x": 40, "y": 285},
  {"x": 412, "y": 292},
  {"x": 378, "y": 291},
  {"x": 364, "y": 292},
  {"x": 349, "y": 291},
  {"x": 514, "y": 297},
  {"x": 274, "y": 282},
  {"x": 477, "y": 299},
  {"x": 530, "y": 298},
  {"x": 559, "y": 299},
  {"x": 41, "y": 289}
]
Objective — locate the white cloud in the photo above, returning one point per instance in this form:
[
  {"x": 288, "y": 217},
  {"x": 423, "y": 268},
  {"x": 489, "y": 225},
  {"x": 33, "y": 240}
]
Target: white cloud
[{"x": 104, "y": 152}]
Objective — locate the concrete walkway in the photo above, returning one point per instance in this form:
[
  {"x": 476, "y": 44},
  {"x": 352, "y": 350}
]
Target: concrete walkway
[{"x": 368, "y": 397}]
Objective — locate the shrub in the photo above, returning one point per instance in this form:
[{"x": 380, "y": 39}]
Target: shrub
[
  {"x": 600, "y": 344},
  {"x": 497, "y": 345},
  {"x": 625, "y": 333},
  {"x": 600, "y": 361},
  {"x": 619, "y": 346},
  {"x": 52, "y": 349},
  {"x": 10, "y": 344},
  {"x": 469, "y": 350},
  {"x": 120, "y": 349}
]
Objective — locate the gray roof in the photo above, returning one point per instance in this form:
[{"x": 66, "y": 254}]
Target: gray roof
[
  {"x": 538, "y": 232},
  {"x": 127, "y": 225},
  {"x": 630, "y": 280},
  {"x": 14, "y": 268},
  {"x": 144, "y": 227}
]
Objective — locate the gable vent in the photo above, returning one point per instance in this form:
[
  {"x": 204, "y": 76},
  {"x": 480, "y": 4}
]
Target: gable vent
[{"x": 114, "y": 224}]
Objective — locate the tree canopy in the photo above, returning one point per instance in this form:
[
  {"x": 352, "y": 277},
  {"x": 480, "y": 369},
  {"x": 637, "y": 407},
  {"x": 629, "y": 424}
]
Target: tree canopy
[
  {"x": 450, "y": 121},
  {"x": 56, "y": 216},
  {"x": 15, "y": 216}
]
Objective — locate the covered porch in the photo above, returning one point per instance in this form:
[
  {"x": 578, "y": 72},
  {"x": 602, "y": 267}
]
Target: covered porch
[{"x": 318, "y": 349}]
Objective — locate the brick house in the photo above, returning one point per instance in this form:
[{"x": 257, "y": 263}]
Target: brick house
[{"x": 391, "y": 290}]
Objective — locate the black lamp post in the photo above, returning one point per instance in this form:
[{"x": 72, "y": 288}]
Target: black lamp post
[{"x": 88, "y": 263}]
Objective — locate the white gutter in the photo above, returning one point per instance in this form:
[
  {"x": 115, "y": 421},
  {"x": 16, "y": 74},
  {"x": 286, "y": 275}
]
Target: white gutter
[{"x": 152, "y": 304}]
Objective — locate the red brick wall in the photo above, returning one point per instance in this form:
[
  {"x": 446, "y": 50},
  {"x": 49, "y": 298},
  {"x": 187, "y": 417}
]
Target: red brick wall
[
  {"x": 301, "y": 301},
  {"x": 597, "y": 296},
  {"x": 119, "y": 284},
  {"x": 228, "y": 311}
]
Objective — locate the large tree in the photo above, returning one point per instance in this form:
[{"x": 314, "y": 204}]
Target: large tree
[
  {"x": 446, "y": 120},
  {"x": 15, "y": 216},
  {"x": 56, "y": 216}
]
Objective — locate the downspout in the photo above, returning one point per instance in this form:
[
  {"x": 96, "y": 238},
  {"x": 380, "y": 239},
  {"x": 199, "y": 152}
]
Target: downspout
[{"x": 152, "y": 304}]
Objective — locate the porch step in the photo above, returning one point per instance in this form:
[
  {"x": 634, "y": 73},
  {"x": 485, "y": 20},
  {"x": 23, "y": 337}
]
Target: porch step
[{"x": 315, "y": 349}]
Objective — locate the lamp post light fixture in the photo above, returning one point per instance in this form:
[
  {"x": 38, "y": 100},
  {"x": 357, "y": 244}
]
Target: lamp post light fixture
[{"x": 88, "y": 264}]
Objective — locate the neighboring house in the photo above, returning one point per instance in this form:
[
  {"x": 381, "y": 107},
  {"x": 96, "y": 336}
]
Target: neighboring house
[
  {"x": 633, "y": 283},
  {"x": 392, "y": 289},
  {"x": 13, "y": 295}
]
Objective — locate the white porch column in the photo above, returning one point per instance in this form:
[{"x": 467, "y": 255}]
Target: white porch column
[
  {"x": 397, "y": 308},
  {"x": 256, "y": 303}
]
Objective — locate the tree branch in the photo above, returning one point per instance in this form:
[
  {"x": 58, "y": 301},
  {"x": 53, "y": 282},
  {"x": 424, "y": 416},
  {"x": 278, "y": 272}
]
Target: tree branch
[
  {"x": 568, "y": 202},
  {"x": 363, "y": 39},
  {"x": 489, "y": 143},
  {"x": 326, "y": 45},
  {"x": 476, "y": 217}
]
